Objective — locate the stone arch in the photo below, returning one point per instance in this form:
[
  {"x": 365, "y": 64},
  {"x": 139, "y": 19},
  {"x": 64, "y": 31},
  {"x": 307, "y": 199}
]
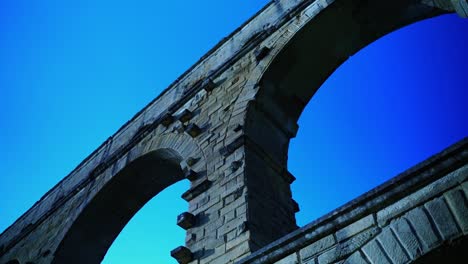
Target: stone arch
[
  {"x": 291, "y": 65},
  {"x": 309, "y": 48},
  {"x": 301, "y": 55},
  {"x": 151, "y": 166},
  {"x": 314, "y": 44}
]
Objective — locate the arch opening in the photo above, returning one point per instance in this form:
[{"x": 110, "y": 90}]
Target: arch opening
[
  {"x": 365, "y": 126},
  {"x": 326, "y": 42},
  {"x": 313, "y": 54},
  {"x": 107, "y": 213}
]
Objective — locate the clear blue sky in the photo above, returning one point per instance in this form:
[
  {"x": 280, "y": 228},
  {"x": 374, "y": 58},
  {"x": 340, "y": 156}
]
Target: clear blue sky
[{"x": 72, "y": 73}]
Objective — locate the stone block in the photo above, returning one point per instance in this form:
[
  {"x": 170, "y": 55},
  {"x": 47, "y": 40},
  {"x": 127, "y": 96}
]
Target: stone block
[
  {"x": 442, "y": 217},
  {"x": 191, "y": 175},
  {"x": 423, "y": 227},
  {"x": 167, "y": 119},
  {"x": 430, "y": 191},
  {"x": 392, "y": 247},
  {"x": 196, "y": 190},
  {"x": 458, "y": 205},
  {"x": 315, "y": 248},
  {"x": 355, "y": 258},
  {"x": 374, "y": 253},
  {"x": 407, "y": 237},
  {"x": 347, "y": 247},
  {"x": 208, "y": 85},
  {"x": 355, "y": 228},
  {"x": 182, "y": 254},
  {"x": 186, "y": 220},
  {"x": 193, "y": 130}
]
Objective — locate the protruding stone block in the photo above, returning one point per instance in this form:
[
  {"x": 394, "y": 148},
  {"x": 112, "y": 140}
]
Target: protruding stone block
[
  {"x": 186, "y": 220},
  {"x": 182, "y": 254},
  {"x": 167, "y": 119},
  {"x": 191, "y": 175},
  {"x": 295, "y": 206},
  {"x": 196, "y": 190},
  {"x": 193, "y": 130},
  {"x": 235, "y": 165},
  {"x": 191, "y": 161},
  {"x": 288, "y": 176},
  {"x": 238, "y": 128},
  {"x": 208, "y": 85},
  {"x": 242, "y": 227},
  {"x": 261, "y": 53},
  {"x": 185, "y": 116}
]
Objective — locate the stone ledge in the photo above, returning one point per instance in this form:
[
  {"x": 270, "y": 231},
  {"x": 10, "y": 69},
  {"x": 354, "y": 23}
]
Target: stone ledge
[{"x": 404, "y": 184}]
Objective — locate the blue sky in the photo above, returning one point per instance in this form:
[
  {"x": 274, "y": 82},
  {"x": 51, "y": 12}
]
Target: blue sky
[{"x": 72, "y": 73}]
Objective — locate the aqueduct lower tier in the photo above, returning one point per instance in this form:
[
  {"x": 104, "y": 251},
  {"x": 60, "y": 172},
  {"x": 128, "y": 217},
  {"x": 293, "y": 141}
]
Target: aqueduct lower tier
[{"x": 225, "y": 126}]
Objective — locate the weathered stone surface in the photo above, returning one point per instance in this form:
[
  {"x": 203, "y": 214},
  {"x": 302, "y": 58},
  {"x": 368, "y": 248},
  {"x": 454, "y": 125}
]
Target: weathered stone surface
[
  {"x": 230, "y": 118},
  {"x": 355, "y": 228},
  {"x": 186, "y": 220},
  {"x": 356, "y": 258},
  {"x": 392, "y": 247},
  {"x": 374, "y": 253},
  {"x": 459, "y": 206},
  {"x": 291, "y": 259},
  {"x": 407, "y": 237},
  {"x": 426, "y": 193},
  {"x": 182, "y": 255},
  {"x": 442, "y": 217},
  {"x": 423, "y": 227},
  {"x": 315, "y": 248},
  {"x": 345, "y": 248}
]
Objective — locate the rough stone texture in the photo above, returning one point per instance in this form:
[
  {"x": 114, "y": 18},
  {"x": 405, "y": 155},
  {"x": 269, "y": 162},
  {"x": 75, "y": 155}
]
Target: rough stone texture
[
  {"x": 451, "y": 180},
  {"x": 355, "y": 228},
  {"x": 374, "y": 252},
  {"x": 345, "y": 248},
  {"x": 392, "y": 247},
  {"x": 423, "y": 228},
  {"x": 225, "y": 125},
  {"x": 442, "y": 218},
  {"x": 459, "y": 206},
  {"x": 291, "y": 259},
  {"x": 317, "y": 247},
  {"x": 355, "y": 258},
  {"x": 407, "y": 238}
]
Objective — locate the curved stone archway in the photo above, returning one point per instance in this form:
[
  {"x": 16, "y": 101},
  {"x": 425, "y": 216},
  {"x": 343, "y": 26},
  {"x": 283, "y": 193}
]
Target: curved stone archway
[
  {"x": 106, "y": 214},
  {"x": 306, "y": 51},
  {"x": 291, "y": 65},
  {"x": 225, "y": 125}
]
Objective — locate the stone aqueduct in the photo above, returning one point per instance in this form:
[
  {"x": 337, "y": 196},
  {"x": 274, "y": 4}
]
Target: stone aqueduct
[{"x": 225, "y": 126}]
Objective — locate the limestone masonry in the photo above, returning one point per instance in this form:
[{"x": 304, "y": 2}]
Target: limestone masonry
[{"x": 225, "y": 126}]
